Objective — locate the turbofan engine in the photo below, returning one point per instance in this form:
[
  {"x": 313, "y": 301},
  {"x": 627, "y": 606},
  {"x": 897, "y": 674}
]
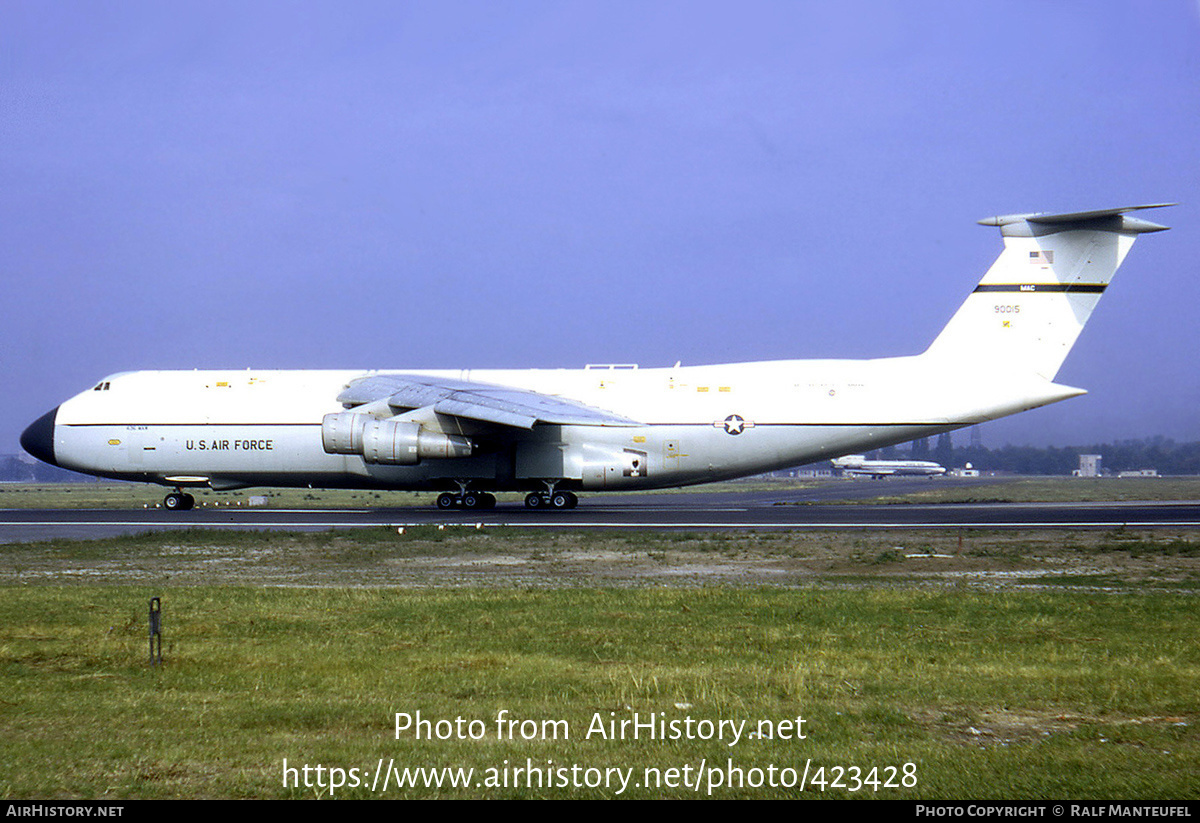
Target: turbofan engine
[{"x": 390, "y": 442}]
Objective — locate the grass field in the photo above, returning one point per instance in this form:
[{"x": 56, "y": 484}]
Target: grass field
[
  {"x": 1059, "y": 490},
  {"x": 1026, "y": 665}
]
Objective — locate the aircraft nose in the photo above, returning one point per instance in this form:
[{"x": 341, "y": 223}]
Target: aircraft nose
[{"x": 38, "y": 439}]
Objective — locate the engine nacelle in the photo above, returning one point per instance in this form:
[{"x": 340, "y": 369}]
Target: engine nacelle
[
  {"x": 403, "y": 444},
  {"x": 342, "y": 433},
  {"x": 389, "y": 442}
]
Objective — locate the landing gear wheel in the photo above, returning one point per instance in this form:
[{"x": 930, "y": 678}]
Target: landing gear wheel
[
  {"x": 535, "y": 500},
  {"x": 446, "y": 500},
  {"x": 563, "y": 500},
  {"x": 178, "y": 502},
  {"x": 472, "y": 500}
]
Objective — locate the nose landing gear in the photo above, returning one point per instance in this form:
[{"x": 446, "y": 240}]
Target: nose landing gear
[{"x": 177, "y": 501}]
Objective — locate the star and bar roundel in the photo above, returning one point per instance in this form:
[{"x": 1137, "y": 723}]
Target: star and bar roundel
[{"x": 734, "y": 424}]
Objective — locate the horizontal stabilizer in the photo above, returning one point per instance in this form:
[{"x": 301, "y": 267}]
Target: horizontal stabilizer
[{"x": 1038, "y": 223}]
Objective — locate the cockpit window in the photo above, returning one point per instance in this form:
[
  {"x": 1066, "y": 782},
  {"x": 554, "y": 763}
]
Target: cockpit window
[{"x": 102, "y": 386}]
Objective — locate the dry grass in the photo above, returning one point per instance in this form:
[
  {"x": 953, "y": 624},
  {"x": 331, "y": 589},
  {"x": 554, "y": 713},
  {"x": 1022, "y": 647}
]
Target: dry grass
[{"x": 1026, "y": 665}]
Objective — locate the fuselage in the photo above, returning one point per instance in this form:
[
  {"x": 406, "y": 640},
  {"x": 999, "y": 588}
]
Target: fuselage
[
  {"x": 858, "y": 465},
  {"x": 229, "y": 429}
]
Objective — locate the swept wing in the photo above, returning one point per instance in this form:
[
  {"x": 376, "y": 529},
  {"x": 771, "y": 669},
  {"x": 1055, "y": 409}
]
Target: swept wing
[{"x": 501, "y": 405}]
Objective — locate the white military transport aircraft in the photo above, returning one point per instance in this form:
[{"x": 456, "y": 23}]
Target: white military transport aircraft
[
  {"x": 857, "y": 465},
  {"x": 551, "y": 433}
]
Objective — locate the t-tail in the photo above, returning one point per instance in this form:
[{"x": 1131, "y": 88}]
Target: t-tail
[{"x": 1030, "y": 307}]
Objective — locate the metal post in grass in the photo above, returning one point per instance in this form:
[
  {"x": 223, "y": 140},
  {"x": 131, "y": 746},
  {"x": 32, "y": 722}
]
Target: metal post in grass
[{"x": 155, "y": 631}]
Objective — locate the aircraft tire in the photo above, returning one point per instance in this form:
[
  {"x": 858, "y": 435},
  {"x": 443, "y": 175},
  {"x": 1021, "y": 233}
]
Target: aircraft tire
[
  {"x": 535, "y": 500},
  {"x": 446, "y": 500}
]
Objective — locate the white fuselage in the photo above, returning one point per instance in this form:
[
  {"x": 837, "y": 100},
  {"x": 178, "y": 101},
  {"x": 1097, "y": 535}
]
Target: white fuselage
[
  {"x": 857, "y": 465},
  {"x": 238, "y": 428}
]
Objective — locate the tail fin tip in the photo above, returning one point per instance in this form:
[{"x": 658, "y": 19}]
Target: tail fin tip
[{"x": 1019, "y": 225}]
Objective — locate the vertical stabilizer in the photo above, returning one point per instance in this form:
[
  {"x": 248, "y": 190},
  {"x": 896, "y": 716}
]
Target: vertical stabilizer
[{"x": 1029, "y": 308}]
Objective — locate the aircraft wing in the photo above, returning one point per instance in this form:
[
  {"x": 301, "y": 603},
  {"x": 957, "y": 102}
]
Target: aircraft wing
[{"x": 502, "y": 405}]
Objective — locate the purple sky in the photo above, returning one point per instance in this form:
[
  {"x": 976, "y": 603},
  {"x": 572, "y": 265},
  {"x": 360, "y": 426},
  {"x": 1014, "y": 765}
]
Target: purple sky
[{"x": 443, "y": 185}]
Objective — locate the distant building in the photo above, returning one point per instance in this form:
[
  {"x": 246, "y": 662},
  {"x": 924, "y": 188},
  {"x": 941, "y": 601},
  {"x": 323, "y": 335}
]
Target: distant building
[
  {"x": 1089, "y": 466},
  {"x": 1139, "y": 473}
]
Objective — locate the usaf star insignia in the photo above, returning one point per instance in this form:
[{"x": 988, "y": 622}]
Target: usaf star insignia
[{"x": 734, "y": 424}]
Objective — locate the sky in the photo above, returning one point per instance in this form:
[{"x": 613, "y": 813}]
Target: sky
[{"x": 402, "y": 185}]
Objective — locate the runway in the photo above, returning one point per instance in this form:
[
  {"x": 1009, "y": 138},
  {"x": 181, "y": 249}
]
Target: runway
[{"x": 801, "y": 509}]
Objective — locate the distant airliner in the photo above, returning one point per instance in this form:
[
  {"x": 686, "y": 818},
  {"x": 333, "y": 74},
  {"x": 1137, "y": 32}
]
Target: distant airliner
[
  {"x": 469, "y": 433},
  {"x": 858, "y": 465}
]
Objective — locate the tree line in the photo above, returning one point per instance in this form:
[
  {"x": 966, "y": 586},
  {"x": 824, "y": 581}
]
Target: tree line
[{"x": 1160, "y": 453}]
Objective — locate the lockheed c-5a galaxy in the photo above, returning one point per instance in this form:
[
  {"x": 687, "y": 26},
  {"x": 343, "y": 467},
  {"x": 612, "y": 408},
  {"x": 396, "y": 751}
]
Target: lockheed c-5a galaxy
[{"x": 553, "y": 433}]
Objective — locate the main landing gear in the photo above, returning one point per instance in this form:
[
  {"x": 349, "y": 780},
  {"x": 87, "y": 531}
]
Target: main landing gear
[
  {"x": 177, "y": 501},
  {"x": 483, "y": 500},
  {"x": 551, "y": 500},
  {"x": 466, "y": 500}
]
